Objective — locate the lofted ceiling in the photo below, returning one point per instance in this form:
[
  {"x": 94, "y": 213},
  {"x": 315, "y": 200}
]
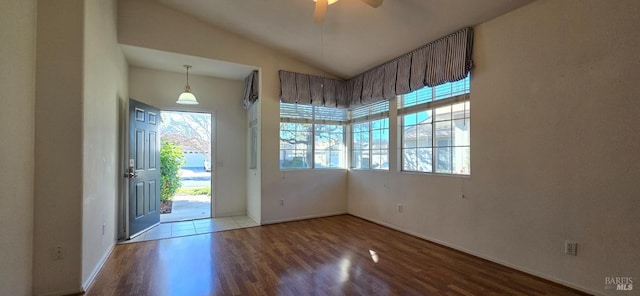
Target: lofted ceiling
[{"x": 354, "y": 37}]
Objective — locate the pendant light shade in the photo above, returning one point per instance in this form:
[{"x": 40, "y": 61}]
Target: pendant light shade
[{"x": 187, "y": 97}]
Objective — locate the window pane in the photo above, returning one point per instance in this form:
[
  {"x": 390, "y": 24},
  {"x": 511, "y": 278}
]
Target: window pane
[
  {"x": 376, "y": 161},
  {"x": 409, "y": 162},
  {"x": 295, "y": 145},
  {"x": 336, "y": 159},
  {"x": 443, "y": 160},
  {"x": 424, "y": 158},
  {"x": 383, "y": 159},
  {"x": 468, "y": 106},
  {"x": 461, "y": 160},
  {"x": 361, "y": 127},
  {"x": 329, "y": 146},
  {"x": 424, "y": 116},
  {"x": 294, "y": 159},
  {"x": 425, "y": 135},
  {"x": 458, "y": 110},
  {"x": 461, "y": 132},
  {"x": 376, "y": 124},
  {"x": 443, "y": 113},
  {"x": 360, "y": 159},
  {"x": 409, "y": 119},
  {"x": 443, "y": 134}
]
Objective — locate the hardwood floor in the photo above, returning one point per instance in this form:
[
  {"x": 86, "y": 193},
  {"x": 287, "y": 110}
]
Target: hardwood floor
[{"x": 340, "y": 255}]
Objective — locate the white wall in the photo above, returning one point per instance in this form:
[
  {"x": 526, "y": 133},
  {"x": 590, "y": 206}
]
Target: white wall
[
  {"x": 555, "y": 146},
  {"x": 17, "y": 96},
  {"x": 105, "y": 87},
  {"x": 58, "y": 146},
  {"x": 151, "y": 25},
  {"x": 223, "y": 99}
]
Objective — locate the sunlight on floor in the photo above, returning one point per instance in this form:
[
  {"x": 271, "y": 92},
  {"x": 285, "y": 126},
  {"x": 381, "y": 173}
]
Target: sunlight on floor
[{"x": 194, "y": 227}]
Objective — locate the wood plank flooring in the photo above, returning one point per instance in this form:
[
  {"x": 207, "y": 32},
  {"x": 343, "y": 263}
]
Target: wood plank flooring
[{"x": 339, "y": 255}]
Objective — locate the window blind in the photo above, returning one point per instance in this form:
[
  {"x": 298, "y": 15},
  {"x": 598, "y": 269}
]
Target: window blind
[
  {"x": 312, "y": 114},
  {"x": 369, "y": 112}
]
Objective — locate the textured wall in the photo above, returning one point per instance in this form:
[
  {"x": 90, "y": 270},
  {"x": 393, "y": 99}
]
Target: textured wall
[
  {"x": 17, "y": 95},
  {"x": 105, "y": 88},
  {"x": 554, "y": 149}
]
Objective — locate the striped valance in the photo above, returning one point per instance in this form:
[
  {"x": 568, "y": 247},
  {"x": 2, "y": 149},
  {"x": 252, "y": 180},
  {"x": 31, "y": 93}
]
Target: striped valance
[
  {"x": 250, "y": 90},
  {"x": 444, "y": 60},
  {"x": 313, "y": 90}
]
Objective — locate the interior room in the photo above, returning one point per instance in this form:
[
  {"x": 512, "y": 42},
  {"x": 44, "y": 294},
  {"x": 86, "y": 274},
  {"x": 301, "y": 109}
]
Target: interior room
[{"x": 328, "y": 122}]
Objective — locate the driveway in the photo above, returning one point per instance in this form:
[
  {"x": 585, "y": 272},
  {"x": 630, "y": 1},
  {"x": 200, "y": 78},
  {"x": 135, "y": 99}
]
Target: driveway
[{"x": 195, "y": 177}]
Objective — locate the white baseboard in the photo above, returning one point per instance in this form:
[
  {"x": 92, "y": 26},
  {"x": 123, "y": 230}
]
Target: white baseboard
[
  {"x": 470, "y": 252},
  {"x": 303, "y": 217},
  {"x": 97, "y": 269}
]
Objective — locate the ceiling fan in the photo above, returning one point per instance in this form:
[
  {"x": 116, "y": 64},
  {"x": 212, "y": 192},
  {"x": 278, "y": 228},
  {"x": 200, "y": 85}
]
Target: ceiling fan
[{"x": 321, "y": 7}]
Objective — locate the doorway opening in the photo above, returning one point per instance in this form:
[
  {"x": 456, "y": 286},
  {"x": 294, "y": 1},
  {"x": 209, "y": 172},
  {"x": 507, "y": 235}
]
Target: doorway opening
[{"x": 186, "y": 164}]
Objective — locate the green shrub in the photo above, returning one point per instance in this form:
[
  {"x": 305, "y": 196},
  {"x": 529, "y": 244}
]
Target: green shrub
[{"x": 171, "y": 158}]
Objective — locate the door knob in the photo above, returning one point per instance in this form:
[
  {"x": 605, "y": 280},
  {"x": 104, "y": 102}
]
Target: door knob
[{"x": 131, "y": 174}]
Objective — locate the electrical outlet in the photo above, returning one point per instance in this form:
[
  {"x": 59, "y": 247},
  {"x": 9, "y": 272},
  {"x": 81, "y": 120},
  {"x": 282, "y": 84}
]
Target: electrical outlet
[
  {"x": 400, "y": 208},
  {"x": 282, "y": 202},
  {"x": 58, "y": 253},
  {"x": 570, "y": 248}
]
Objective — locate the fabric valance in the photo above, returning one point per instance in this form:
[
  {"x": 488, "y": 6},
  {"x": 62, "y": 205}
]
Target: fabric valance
[
  {"x": 250, "y": 90},
  {"x": 444, "y": 60}
]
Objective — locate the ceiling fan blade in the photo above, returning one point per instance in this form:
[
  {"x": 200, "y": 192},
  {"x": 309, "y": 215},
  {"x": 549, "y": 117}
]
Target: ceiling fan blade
[
  {"x": 321, "y": 10},
  {"x": 373, "y": 3}
]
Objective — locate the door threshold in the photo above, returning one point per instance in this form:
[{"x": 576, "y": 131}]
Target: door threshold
[{"x": 142, "y": 231}]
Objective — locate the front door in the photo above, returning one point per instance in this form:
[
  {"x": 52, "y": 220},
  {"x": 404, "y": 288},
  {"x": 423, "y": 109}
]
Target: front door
[{"x": 144, "y": 167}]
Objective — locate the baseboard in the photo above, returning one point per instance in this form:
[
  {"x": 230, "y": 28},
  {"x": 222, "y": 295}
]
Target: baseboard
[
  {"x": 488, "y": 258},
  {"x": 303, "y": 217},
  {"x": 97, "y": 269},
  {"x": 69, "y": 292}
]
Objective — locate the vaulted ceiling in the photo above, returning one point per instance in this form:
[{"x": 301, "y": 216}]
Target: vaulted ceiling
[{"x": 354, "y": 37}]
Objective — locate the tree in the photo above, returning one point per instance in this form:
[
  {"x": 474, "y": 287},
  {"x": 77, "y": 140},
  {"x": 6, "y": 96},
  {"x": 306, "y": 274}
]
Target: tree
[
  {"x": 189, "y": 130},
  {"x": 171, "y": 158},
  {"x": 297, "y": 142}
]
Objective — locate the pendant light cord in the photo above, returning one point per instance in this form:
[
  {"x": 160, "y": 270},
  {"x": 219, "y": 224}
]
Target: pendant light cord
[{"x": 188, "y": 75}]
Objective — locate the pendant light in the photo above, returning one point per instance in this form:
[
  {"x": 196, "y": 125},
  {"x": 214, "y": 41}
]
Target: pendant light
[{"x": 187, "y": 97}]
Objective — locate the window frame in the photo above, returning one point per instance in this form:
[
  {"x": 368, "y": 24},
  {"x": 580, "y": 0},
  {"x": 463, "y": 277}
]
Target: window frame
[
  {"x": 431, "y": 105},
  {"x": 317, "y": 116},
  {"x": 370, "y": 150}
]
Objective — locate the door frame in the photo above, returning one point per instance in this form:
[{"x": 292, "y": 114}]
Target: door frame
[
  {"x": 212, "y": 151},
  {"x": 123, "y": 201}
]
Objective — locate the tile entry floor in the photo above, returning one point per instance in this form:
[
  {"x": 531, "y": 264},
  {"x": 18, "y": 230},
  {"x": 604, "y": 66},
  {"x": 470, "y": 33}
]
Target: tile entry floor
[{"x": 193, "y": 227}]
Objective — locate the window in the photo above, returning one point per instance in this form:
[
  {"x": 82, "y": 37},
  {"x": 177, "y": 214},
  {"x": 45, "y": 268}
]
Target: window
[
  {"x": 370, "y": 136},
  {"x": 295, "y": 145},
  {"x": 253, "y": 132},
  {"x": 329, "y": 146},
  {"x": 311, "y": 137},
  {"x": 435, "y": 129}
]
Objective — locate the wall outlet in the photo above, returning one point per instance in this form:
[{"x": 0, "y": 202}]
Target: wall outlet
[
  {"x": 570, "y": 248},
  {"x": 282, "y": 202},
  {"x": 400, "y": 208},
  {"x": 58, "y": 253}
]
